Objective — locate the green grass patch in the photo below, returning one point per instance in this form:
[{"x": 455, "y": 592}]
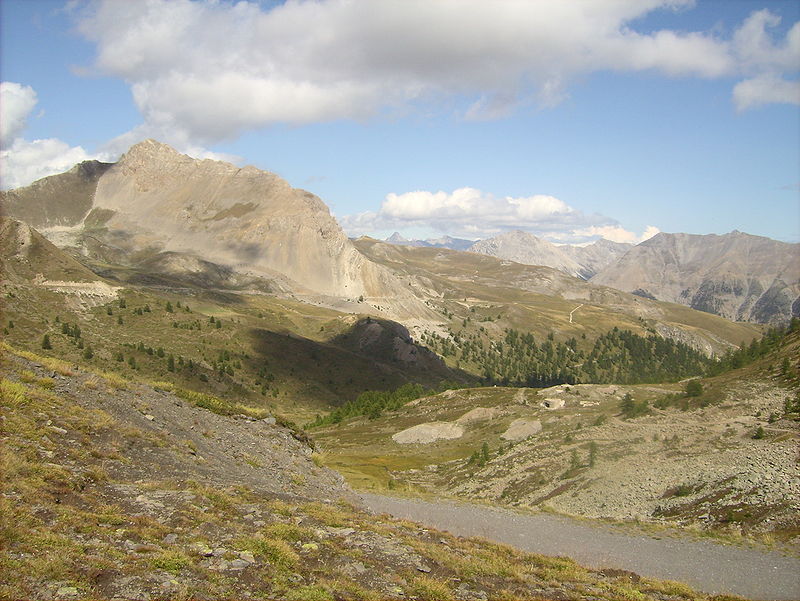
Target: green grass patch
[
  {"x": 288, "y": 532},
  {"x": 277, "y": 552},
  {"x": 218, "y": 405},
  {"x": 171, "y": 560}
]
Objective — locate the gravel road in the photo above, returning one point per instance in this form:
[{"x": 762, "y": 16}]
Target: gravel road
[{"x": 707, "y": 566}]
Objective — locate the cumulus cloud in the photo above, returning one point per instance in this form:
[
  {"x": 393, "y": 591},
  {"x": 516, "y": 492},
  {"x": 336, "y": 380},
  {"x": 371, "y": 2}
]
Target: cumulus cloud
[
  {"x": 768, "y": 62},
  {"x": 302, "y": 62},
  {"x": 765, "y": 89},
  {"x": 472, "y": 213},
  {"x": 616, "y": 233},
  {"x": 23, "y": 161},
  {"x": 16, "y": 103}
]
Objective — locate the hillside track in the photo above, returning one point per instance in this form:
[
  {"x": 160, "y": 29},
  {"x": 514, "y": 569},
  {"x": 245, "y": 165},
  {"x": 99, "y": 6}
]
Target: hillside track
[{"x": 709, "y": 566}]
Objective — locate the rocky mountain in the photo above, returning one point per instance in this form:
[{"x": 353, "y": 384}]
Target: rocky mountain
[
  {"x": 597, "y": 256},
  {"x": 737, "y": 275},
  {"x": 155, "y": 200},
  {"x": 580, "y": 261},
  {"x": 443, "y": 242},
  {"x": 525, "y": 248}
]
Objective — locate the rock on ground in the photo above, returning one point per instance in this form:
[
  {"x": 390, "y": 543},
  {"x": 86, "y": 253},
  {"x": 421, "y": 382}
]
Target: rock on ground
[
  {"x": 521, "y": 429},
  {"x": 477, "y": 415},
  {"x": 428, "y": 433}
]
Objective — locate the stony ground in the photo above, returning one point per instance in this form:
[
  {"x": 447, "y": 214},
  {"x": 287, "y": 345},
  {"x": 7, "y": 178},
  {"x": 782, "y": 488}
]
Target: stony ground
[
  {"x": 118, "y": 490},
  {"x": 689, "y": 463},
  {"x": 700, "y": 466}
]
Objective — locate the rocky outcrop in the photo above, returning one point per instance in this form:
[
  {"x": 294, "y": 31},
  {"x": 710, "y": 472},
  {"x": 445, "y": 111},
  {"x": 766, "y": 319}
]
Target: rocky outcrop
[
  {"x": 738, "y": 276},
  {"x": 479, "y": 414},
  {"x": 26, "y": 255}
]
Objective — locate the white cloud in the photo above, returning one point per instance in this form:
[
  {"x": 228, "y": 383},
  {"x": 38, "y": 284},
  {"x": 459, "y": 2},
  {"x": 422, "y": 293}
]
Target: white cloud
[
  {"x": 767, "y": 62},
  {"x": 24, "y": 162},
  {"x": 16, "y": 103},
  {"x": 302, "y": 62},
  {"x": 616, "y": 233},
  {"x": 471, "y": 213},
  {"x": 757, "y": 51},
  {"x": 765, "y": 89}
]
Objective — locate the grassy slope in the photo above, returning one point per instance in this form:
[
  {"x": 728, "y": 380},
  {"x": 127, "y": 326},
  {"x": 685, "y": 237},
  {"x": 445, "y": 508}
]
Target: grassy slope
[
  {"x": 539, "y": 299},
  {"x": 303, "y": 351},
  {"x": 80, "y": 519}
]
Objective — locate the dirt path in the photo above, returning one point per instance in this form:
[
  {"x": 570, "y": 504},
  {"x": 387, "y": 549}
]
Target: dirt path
[{"x": 708, "y": 566}]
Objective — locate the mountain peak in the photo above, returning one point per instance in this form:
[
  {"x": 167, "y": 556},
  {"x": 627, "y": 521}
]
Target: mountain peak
[
  {"x": 151, "y": 148},
  {"x": 396, "y": 238}
]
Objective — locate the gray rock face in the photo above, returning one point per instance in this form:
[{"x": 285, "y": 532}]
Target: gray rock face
[
  {"x": 522, "y": 428},
  {"x": 428, "y": 433},
  {"x": 738, "y": 276}
]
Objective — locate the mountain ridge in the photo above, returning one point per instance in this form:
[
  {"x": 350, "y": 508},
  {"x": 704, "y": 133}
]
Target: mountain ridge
[{"x": 737, "y": 275}]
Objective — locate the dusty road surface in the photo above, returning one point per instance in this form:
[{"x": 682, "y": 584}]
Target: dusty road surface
[{"x": 707, "y": 566}]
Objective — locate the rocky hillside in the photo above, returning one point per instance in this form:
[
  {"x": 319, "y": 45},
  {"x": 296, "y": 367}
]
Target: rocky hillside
[
  {"x": 722, "y": 458},
  {"x": 736, "y": 275},
  {"x": 597, "y": 256},
  {"x": 113, "y": 489},
  {"x": 522, "y": 247},
  {"x": 155, "y": 199},
  {"x": 482, "y": 295},
  {"x": 579, "y": 261}
]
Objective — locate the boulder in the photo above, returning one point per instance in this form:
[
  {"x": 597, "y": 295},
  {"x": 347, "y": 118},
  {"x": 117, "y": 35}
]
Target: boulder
[{"x": 553, "y": 403}]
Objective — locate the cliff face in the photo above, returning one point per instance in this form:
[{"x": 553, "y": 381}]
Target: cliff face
[
  {"x": 155, "y": 199},
  {"x": 738, "y": 276}
]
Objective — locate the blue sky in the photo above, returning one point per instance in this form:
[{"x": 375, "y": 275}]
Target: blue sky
[{"x": 570, "y": 120}]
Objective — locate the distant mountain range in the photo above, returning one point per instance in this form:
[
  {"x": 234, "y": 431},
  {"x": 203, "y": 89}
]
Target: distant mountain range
[
  {"x": 580, "y": 261},
  {"x": 737, "y": 275},
  {"x": 523, "y": 247},
  {"x": 443, "y": 242},
  {"x": 173, "y": 220}
]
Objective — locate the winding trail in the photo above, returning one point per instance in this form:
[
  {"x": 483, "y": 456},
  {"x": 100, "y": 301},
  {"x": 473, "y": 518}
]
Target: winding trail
[
  {"x": 573, "y": 311},
  {"x": 706, "y": 565}
]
